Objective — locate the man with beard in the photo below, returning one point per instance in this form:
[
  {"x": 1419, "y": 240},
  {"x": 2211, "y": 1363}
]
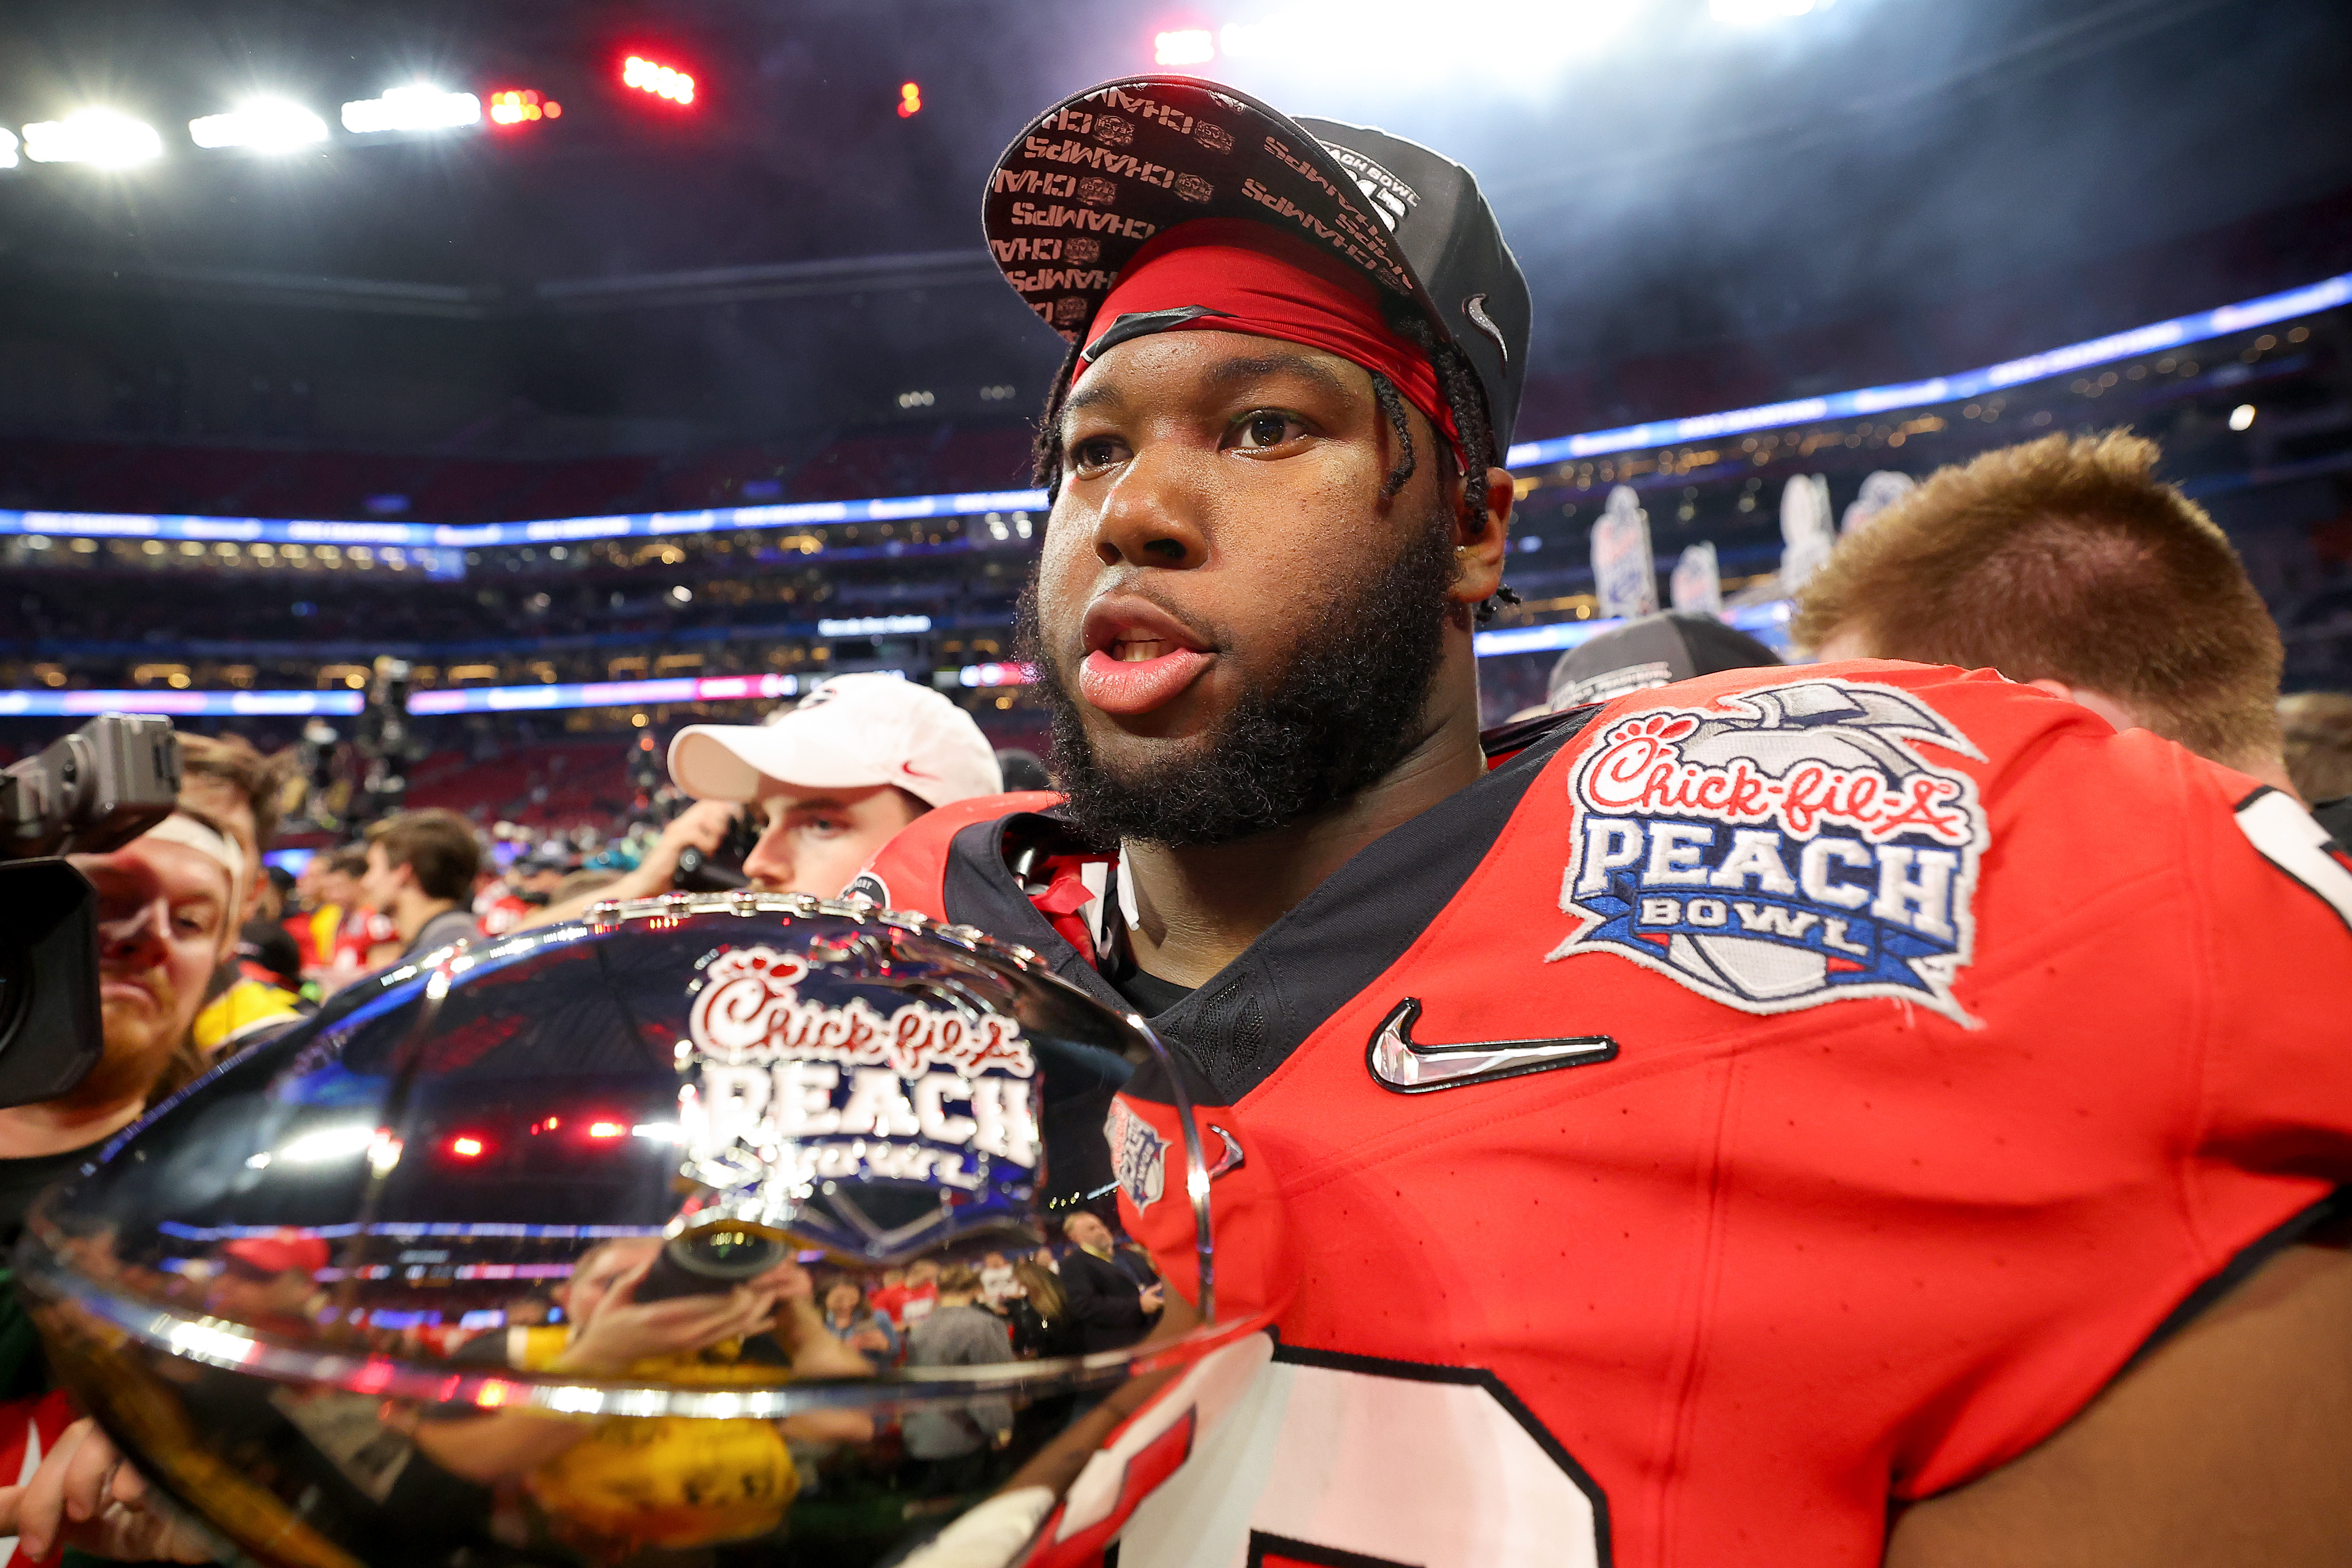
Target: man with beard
[
  {"x": 1821, "y": 1112},
  {"x": 170, "y": 903}
]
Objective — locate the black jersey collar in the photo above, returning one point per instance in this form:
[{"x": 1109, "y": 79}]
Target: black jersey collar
[{"x": 1242, "y": 1024}]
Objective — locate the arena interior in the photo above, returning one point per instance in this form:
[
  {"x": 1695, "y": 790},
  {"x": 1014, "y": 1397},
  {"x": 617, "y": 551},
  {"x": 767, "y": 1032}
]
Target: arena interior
[{"x": 448, "y": 405}]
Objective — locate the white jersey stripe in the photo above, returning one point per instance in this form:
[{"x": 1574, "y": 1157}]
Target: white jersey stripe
[{"x": 2285, "y": 835}]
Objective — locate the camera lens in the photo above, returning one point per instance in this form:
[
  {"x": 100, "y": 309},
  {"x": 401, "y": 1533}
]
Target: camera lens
[{"x": 709, "y": 1264}]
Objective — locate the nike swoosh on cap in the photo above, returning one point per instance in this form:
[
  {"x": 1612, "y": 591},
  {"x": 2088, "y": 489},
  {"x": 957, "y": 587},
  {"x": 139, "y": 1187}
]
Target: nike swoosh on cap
[{"x": 1409, "y": 1069}]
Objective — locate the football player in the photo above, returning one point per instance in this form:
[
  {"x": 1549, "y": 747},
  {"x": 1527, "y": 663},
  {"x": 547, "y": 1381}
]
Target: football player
[{"x": 1861, "y": 1112}]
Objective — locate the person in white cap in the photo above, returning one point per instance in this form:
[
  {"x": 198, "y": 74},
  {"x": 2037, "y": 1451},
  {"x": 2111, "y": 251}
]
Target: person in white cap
[{"x": 837, "y": 775}]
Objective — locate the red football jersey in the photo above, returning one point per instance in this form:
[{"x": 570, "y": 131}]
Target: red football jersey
[
  {"x": 504, "y": 913},
  {"x": 363, "y": 932},
  {"x": 1779, "y": 1096}
]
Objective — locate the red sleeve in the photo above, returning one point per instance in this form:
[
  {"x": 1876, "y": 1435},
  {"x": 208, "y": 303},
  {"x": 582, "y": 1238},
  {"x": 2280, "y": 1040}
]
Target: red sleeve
[
  {"x": 2276, "y": 1107},
  {"x": 909, "y": 872},
  {"x": 2203, "y": 990},
  {"x": 1251, "y": 1267}
]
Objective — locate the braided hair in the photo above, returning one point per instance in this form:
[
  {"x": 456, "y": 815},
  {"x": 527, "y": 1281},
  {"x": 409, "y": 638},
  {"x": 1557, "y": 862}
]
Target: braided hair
[{"x": 1457, "y": 382}]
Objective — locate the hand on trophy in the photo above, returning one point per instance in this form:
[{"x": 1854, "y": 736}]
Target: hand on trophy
[{"x": 86, "y": 1496}]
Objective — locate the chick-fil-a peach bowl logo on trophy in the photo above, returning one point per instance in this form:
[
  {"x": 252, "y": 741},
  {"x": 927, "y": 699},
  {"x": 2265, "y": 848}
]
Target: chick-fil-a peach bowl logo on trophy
[
  {"x": 751, "y": 1009},
  {"x": 827, "y": 1092}
]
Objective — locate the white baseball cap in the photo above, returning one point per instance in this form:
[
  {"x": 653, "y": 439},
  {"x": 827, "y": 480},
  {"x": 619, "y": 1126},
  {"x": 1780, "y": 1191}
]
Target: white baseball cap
[{"x": 852, "y": 731}]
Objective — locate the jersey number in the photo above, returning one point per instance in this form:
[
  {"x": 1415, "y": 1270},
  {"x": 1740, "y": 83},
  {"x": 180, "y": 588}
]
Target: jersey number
[{"x": 1345, "y": 1462}]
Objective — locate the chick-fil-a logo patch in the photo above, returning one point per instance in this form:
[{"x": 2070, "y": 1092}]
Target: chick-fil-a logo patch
[{"x": 1791, "y": 846}]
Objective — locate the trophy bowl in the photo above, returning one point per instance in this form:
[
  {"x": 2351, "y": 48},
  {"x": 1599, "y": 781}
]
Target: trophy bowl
[{"x": 568, "y": 1248}]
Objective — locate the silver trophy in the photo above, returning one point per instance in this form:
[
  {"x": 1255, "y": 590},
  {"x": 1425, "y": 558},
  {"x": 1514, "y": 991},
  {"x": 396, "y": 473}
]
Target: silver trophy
[{"x": 565, "y": 1247}]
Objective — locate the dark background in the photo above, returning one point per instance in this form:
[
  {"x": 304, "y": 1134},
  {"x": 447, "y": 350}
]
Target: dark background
[
  {"x": 1709, "y": 214},
  {"x": 779, "y": 293}
]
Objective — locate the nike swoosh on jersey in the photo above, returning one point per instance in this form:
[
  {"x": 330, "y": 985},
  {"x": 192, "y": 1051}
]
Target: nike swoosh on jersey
[{"x": 1409, "y": 1069}]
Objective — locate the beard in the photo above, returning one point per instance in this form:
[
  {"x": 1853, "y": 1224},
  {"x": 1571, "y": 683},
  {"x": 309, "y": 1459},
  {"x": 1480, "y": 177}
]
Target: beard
[
  {"x": 1343, "y": 709},
  {"x": 140, "y": 1043}
]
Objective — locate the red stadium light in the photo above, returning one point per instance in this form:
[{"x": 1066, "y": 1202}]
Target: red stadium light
[
  {"x": 521, "y": 106},
  {"x": 467, "y": 1147},
  {"x": 661, "y": 81},
  {"x": 607, "y": 1130},
  {"x": 910, "y": 99}
]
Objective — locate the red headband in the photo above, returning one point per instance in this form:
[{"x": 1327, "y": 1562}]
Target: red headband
[{"x": 1261, "y": 281}]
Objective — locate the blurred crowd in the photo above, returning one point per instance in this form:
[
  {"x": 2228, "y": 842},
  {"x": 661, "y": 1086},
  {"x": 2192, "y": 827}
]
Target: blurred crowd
[{"x": 2063, "y": 563}]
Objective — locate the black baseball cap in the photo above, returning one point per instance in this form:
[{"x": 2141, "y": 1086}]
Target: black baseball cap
[
  {"x": 1653, "y": 650},
  {"x": 1090, "y": 181}
]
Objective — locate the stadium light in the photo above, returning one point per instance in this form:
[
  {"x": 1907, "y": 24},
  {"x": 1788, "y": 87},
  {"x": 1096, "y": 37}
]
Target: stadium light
[
  {"x": 596, "y": 694},
  {"x": 99, "y": 136},
  {"x": 661, "y": 81},
  {"x": 874, "y": 627},
  {"x": 293, "y": 705},
  {"x": 8, "y": 149},
  {"x": 910, "y": 99},
  {"x": 1746, "y": 13},
  {"x": 2243, "y": 417},
  {"x": 417, "y": 107},
  {"x": 1360, "y": 45},
  {"x": 521, "y": 106},
  {"x": 1184, "y": 46},
  {"x": 1001, "y": 514},
  {"x": 268, "y": 125}
]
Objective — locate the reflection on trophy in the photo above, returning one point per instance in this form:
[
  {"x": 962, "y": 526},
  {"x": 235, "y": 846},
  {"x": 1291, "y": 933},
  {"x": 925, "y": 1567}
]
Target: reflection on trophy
[{"x": 573, "y": 1249}]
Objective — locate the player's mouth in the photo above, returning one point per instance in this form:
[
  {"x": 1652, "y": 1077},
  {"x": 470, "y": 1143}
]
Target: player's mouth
[{"x": 1139, "y": 657}]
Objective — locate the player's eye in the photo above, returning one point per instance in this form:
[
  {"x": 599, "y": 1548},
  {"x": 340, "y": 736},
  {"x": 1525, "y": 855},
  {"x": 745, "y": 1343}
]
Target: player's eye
[
  {"x": 1093, "y": 454},
  {"x": 1266, "y": 428}
]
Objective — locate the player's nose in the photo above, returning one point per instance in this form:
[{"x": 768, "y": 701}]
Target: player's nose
[{"x": 1150, "y": 516}]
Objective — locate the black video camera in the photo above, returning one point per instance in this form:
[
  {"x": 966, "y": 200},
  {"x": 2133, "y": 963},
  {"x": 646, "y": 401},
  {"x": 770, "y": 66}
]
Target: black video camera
[
  {"x": 709, "y": 1263},
  {"x": 719, "y": 870},
  {"x": 91, "y": 793}
]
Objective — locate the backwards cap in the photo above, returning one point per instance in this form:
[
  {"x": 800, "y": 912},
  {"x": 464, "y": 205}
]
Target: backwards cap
[
  {"x": 1653, "y": 650},
  {"x": 1096, "y": 177}
]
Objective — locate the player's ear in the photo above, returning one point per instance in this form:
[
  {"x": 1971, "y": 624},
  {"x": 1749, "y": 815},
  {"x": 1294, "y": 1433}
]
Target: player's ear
[{"x": 1481, "y": 537}]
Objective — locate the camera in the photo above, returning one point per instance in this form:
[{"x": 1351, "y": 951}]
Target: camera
[
  {"x": 95, "y": 791},
  {"x": 709, "y": 1263},
  {"x": 721, "y": 870},
  {"x": 90, "y": 793}
]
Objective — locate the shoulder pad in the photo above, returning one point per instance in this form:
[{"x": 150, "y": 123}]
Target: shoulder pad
[{"x": 909, "y": 872}]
